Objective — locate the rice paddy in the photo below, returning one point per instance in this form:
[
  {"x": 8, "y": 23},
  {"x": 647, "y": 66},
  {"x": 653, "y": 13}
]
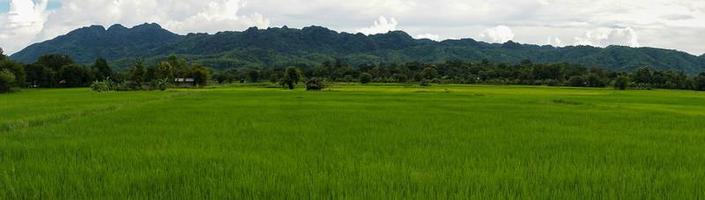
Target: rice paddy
[{"x": 353, "y": 142}]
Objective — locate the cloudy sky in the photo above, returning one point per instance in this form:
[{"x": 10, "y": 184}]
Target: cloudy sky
[{"x": 671, "y": 24}]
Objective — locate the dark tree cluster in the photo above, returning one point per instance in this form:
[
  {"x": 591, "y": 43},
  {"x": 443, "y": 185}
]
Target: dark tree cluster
[
  {"x": 483, "y": 72},
  {"x": 171, "y": 71},
  {"x": 12, "y": 74},
  {"x": 51, "y": 71},
  {"x": 56, "y": 71}
]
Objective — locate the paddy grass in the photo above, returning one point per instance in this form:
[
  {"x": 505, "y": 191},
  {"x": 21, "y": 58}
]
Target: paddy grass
[{"x": 353, "y": 142}]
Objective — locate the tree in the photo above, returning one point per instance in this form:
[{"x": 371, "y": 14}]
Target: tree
[
  {"x": 54, "y": 61},
  {"x": 227, "y": 76},
  {"x": 137, "y": 74},
  {"x": 200, "y": 75},
  {"x": 622, "y": 82},
  {"x": 102, "y": 70},
  {"x": 253, "y": 75},
  {"x": 429, "y": 73},
  {"x": 7, "y": 80},
  {"x": 40, "y": 76},
  {"x": 172, "y": 67},
  {"x": 365, "y": 78},
  {"x": 2, "y": 54},
  {"x": 46, "y": 71},
  {"x": 179, "y": 66},
  {"x": 292, "y": 76},
  {"x": 700, "y": 82},
  {"x": 165, "y": 70},
  {"x": 74, "y": 76},
  {"x": 149, "y": 74},
  {"x": 643, "y": 76},
  {"x": 16, "y": 69}
]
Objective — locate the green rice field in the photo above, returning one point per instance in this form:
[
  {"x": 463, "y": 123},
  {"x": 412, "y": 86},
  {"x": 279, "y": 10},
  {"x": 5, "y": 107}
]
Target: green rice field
[{"x": 353, "y": 142}]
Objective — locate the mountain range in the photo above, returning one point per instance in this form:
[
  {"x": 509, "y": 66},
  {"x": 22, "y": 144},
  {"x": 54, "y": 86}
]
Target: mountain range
[{"x": 278, "y": 47}]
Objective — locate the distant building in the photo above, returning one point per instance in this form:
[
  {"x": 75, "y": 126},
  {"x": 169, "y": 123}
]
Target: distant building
[{"x": 184, "y": 82}]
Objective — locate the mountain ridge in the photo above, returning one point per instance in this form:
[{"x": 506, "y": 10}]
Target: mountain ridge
[
  {"x": 315, "y": 44},
  {"x": 95, "y": 41}
]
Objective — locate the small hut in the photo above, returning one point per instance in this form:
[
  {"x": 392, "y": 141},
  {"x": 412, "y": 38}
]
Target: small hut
[{"x": 184, "y": 82}]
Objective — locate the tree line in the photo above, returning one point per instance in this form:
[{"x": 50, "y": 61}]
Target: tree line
[
  {"x": 483, "y": 72},
  {"x": 60, "y": 71},
  {"x": 55, "y": 71}
]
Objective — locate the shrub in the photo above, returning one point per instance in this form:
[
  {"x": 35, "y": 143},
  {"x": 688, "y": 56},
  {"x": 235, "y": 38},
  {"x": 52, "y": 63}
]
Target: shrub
[
  {"x": 121, "y": 86},
  {"x": 100, "y": 86},
  {"x": 622, "y": 82},
  {"x": 400, "y": 78},
  {"x": 348, "y": 78},
  {"x": 552, "y": 82},
  {"x": 314, "y": 84},
  {"x": 576, "y": 81},
  {"x": 425, "y": 83},
  {"x": 593, "y": 80},
  {"x": 161, "y": 84},
  {"x": 365, "y": 78}
]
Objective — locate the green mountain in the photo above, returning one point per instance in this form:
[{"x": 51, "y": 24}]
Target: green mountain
[
  {"x": 88, "y": 43},
  {"x": 276, "y": 47}
]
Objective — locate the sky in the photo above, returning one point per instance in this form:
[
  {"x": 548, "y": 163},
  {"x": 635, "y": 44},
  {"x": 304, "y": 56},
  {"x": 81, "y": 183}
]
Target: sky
[{"x": 670, "y": 24}]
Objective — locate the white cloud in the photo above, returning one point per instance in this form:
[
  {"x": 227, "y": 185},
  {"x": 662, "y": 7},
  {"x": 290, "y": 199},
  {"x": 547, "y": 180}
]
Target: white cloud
[
  {"x": 429, "y": 36},
  {"x": 24, "y": 19},
  {"x": 181, "y": 16},
  {"x": 602, "y": 37},
  {"x": 382, "y": 25},
  {"x": 497, "y": 34},
  {"x": 657, "y": 22},
  {"x": 554, "y": 41},
  {"x": 219, "y": 16},
  {"x": 30, "y": 22}
]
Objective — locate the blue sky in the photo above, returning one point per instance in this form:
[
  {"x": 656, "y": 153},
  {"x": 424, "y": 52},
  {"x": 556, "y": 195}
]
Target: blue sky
[{"x": 670, "y": 24}]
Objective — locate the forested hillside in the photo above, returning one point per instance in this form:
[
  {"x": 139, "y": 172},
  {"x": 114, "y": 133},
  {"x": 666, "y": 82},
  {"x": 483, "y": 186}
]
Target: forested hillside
[{"x": 280, "y": 47}]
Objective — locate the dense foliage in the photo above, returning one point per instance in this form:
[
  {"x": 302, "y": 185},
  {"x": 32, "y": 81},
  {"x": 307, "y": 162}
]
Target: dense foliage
[
  {"x": 292, "y": 76},
  {"x": 12, "y": 74},
  {"x": 7, "y": 79},
  {"x": 315, "y": 84},
  {"x": 365, "y": 78},
  {"x": 484, "y": 72},
  {"x": 283, "y": 47},
  {"x": 102, "y": 69},
  {"x": 56, "y": 70}
]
